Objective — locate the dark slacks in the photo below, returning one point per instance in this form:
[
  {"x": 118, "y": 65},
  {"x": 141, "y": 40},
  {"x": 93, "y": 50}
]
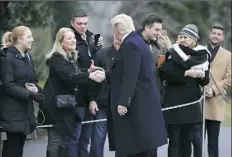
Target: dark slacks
[
  {"x": 213, "y": 129},
  {"x": 86, "y": 132},
  {"x": 57, "y": 143},
  {"x": 79, "y": 141},
  {"x": 152, "y": 153},
  {"x": 13, "y": 146},
  {"x": 197, "y": 140},
  {"x": 99, "y": 132},
  {"x": 180, "y": 136}
]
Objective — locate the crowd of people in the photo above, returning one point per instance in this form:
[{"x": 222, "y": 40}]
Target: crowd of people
[{"x": 127, "y": 83}]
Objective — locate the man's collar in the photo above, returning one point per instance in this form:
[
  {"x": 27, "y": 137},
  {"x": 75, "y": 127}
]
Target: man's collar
[
  {"x": 79, "y": 37},
  {"x": 147, "y": 41},
  {"x": 213, "y": 46},
  {"x": 84, "y": 37},
  {"x": 124, "y": 37}
]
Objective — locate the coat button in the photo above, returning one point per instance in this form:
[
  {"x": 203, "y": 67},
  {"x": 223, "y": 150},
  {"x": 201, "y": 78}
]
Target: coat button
[{"x": 188, "y": 84}]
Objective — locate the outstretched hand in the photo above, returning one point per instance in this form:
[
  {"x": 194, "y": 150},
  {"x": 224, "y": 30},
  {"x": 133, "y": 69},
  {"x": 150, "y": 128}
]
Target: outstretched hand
[
  {"x": 93, "y": 68},
  {"x": 97, "y": 76}
]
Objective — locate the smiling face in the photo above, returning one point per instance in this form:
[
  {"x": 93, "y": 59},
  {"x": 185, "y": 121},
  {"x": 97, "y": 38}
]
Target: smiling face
[
  {"x": 186, "y": 41},
  {"x": 26, "y": 40},
  {"x": 69, "y": 41},
  {"x": 153, "y": 32}
]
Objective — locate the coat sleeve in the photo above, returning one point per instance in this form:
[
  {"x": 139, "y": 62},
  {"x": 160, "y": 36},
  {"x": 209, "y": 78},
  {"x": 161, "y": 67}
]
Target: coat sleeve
[
  {"x": 60, "y": 69},
  {"x": 169, "y": 73},
  {"x": 131, "y": 57},
  {"x": 94, "y": 86},
  {"x": 8, "y": 84},
  {"x": 83, "y": 69},
  {"x": 226, "y": 80},
  {"x": 204, "y": 81},
  {"x": 35, "y": 81}
]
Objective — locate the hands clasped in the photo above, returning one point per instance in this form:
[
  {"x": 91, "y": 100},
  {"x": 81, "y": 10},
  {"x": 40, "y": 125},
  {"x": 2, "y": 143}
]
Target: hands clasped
[
  {"x": 194, "y": 73},
  {"x": 31, "y": 87},
  {"x": 97, "y": 76},
  {"x": 208, "y": 92}
]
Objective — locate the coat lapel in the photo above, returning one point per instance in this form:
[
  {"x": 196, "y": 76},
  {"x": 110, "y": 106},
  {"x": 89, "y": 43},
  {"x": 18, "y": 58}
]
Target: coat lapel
[
  {"x": 118, "y": 56},
  {"x": 218, "y": 56}
]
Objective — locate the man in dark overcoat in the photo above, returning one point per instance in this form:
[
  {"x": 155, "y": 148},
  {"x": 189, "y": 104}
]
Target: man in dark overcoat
[{"x": 138, "y": 121}]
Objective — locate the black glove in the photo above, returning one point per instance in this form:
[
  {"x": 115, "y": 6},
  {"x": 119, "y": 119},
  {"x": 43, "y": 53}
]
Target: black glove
[{"x": 37, "y": 96}]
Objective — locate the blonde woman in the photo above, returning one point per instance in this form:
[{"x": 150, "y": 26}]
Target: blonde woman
[
  {"x": 64, "y": 78},
  {"x": 19, "y": 89},
  {"x": 186, "y": 69}
]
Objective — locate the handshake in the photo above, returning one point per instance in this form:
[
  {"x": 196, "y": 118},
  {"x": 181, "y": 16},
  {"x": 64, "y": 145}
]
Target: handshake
[{"x": 98, "y": 75}]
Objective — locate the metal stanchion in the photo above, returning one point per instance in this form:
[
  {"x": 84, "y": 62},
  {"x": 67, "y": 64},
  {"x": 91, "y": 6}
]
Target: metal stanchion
[{"x": 203, "y": 127}]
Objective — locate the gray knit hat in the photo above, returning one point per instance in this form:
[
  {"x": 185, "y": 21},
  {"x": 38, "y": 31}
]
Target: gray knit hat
[{"x": 191, "y": 31}]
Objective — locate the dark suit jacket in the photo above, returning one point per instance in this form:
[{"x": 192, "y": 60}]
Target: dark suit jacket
[{"x": 133, "y": 85}]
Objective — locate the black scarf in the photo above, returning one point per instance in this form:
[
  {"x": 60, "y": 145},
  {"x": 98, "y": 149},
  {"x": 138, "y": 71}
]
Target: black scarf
[{"x": 196, "y": 57}]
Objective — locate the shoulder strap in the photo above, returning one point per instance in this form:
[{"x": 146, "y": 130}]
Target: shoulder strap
[{"x": 76, "y": 67}]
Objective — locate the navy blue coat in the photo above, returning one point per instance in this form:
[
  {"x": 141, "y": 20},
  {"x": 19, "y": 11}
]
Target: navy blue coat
[{"x": 132, "y": 84}]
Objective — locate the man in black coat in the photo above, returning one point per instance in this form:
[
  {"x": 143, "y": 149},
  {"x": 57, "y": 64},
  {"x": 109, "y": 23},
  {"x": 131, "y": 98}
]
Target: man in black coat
[
  {"x": 138, "y": 121},
  {"x": 99, "y": 105},
  {"x": 157, "y": 41},
  {"x": 87, "y": 48}
]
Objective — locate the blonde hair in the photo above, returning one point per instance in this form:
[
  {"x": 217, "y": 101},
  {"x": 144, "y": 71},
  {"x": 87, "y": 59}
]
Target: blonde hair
[
  {"x": 123, "y": 23},
  {"x": 192, "y": 44},
  {"x": 10, "y": 38},
  {"x": 57, "y": 47}
]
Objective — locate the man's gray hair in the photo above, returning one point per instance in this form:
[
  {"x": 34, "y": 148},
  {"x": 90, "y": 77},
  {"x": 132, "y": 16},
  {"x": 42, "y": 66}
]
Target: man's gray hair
[{"x": 123, "y": 23}]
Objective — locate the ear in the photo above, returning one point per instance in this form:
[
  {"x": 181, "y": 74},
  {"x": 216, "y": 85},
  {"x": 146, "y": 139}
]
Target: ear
[
  {"x": 61, "y": 43},
  {"x": 146, "y": 27},
  {"x": 71, "y": 22},
  {"x": 19, "y": 40},
  {"x": 223, "y": 37}
]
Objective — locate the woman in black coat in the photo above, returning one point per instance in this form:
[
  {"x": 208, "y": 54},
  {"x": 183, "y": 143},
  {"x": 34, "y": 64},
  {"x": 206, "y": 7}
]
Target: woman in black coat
[
  {"x": 64, "y": 76},
  {"x": 186, "y": 69},
  {"x": 19, "y": 89}
]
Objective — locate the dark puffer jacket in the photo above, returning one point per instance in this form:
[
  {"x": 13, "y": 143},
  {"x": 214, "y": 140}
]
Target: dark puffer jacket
[{"x": 16, "y": 107}]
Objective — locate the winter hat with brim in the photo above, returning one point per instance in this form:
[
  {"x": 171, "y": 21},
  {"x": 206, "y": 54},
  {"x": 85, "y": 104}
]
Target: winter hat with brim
[{"x": 191, "y": 31}]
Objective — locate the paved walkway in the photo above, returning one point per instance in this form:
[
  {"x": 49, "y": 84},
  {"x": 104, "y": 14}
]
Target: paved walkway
[{"x": 38, "y": 148}]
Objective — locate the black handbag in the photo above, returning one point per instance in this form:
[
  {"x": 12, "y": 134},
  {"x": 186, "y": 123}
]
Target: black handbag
[{"x": 66, "y": 101}]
